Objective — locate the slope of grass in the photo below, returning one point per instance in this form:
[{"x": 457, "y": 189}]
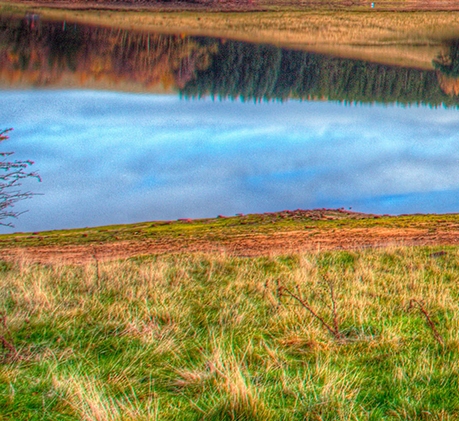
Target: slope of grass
[
  {"x": 184, "y": 337},
  {"x": 227, "y": 227}
]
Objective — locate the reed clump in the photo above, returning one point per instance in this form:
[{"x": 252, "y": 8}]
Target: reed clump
[{"x": 339, "y": 335}]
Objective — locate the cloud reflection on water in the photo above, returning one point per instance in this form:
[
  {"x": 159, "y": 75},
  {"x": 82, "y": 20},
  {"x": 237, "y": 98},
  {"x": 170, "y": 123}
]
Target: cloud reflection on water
[{"x": 113, "y": 158}]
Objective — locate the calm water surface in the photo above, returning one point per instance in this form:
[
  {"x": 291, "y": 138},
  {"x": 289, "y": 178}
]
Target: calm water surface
[{"x": 127, "y": 127}]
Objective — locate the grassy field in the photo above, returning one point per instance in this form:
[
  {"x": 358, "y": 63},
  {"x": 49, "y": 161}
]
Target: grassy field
[{"x": 364, "y": 335}]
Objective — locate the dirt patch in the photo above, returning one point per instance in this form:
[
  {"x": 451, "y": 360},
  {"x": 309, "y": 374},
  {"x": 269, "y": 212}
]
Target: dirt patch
[{"x": 242, "y": 245}]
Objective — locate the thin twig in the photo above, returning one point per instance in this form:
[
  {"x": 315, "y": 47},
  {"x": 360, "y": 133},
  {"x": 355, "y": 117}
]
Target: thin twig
[
  {"x": 430, "y": 322},
  {"x": 97, "y": 264},
  {"x": 3, "y": 321},
  {"x": 278, "y": 294},
  {"x": 6, "y": 343},
  {"x": 335, "y": 332},
  {"x": 333, "y": 300}
]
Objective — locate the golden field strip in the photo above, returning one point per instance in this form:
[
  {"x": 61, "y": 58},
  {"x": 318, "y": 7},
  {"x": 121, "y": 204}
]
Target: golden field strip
[{"x": 410, "y": 38}]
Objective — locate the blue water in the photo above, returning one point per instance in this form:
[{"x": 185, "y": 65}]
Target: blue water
[{"x": 108, "y": 158}]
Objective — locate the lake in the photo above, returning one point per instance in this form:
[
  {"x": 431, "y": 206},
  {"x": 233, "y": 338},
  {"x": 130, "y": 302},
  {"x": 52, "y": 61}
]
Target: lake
[{"x": 127, "y": 126}]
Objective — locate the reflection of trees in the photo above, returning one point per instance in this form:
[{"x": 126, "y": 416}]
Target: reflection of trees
[
  {"x": 63, "y": 46},
  {"x": 448, "y": 63},
  {"x": 263, "y": 72},
  {"x": 47, "y": 52}
]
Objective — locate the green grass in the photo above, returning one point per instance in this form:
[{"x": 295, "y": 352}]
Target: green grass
[
  {"x": 191, "y": 337},
  {"x": 227, "y": 227}
]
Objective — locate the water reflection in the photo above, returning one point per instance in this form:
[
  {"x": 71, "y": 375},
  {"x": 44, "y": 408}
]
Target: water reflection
[
  {"x": 114, "y": 158},
  {"x": 261, "y": 72},
  {"x": 59, "y": 54},
  {"x": 447, "y": 63}
]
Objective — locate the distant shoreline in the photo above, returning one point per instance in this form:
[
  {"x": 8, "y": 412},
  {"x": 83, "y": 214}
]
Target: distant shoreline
[
  {"x": 245, "y": 5},
  {"x": 407, "y": 39}
]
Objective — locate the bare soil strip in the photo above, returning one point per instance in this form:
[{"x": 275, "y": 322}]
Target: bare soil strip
[{"x": 249, "y": 245}]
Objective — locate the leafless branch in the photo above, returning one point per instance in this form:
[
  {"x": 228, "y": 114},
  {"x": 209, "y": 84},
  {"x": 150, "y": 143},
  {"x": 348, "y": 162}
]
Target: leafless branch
[
  {"x": 334, "y": 330},
  {"x": 6, "y": 344},
  {"x": 429, "y": 320},
  {"x": 11, "y": 175}
]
